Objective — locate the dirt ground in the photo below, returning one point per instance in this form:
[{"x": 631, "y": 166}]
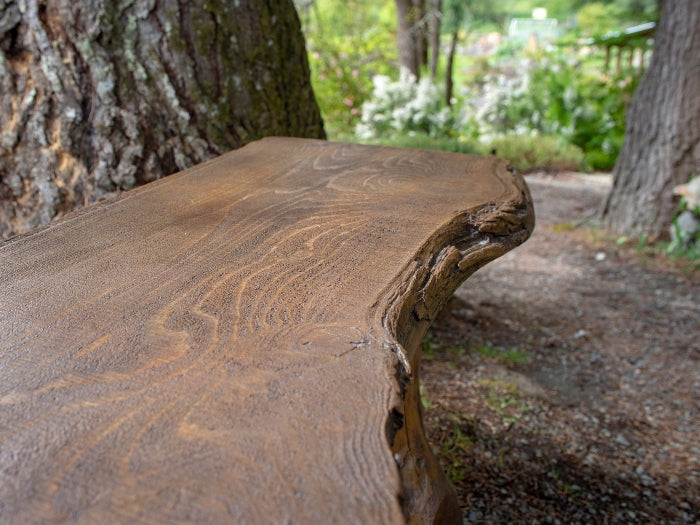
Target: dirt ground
[{"x": 562, "y": 381}]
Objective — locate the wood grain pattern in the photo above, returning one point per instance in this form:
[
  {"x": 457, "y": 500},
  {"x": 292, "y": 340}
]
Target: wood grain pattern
[{"x": 239, "y": 342}]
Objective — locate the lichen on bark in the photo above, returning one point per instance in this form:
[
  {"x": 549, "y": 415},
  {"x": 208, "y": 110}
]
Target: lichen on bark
[{"x": 97, "y": 97}]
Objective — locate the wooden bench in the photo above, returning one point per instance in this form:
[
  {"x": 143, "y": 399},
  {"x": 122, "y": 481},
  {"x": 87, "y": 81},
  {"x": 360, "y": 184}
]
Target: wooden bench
[{"x": 240, "y": 342}]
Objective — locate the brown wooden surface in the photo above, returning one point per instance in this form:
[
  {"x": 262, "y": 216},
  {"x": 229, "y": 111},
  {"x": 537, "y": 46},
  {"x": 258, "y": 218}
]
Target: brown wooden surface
[{"x": 239, "y": 342}]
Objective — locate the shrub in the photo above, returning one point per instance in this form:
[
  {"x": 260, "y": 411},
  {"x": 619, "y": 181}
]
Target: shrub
[
  {"x": 558, "y": 98},
  {"x": 431, "y": 143},
  {"x": 685, "y": 226},
  {"x": 534, "y": 151},
  {"x": 404, "y": 107}
]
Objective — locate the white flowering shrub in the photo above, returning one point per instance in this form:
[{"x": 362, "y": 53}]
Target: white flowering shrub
[
  {"x": 404, "y": 107},
  {"x": 553, "y": 97}
]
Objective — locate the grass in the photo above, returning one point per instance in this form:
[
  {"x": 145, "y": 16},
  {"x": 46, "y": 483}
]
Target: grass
[
  {"x": 686, "y": 259},
  {"x": 647, "y": 251},
  {"x": 427, "y": 404},
  {"x": 455, "y": 446},
  {"x": 504, "y": 398},
  {"x": 564, "y": 227},
  {"x": 430, "y": 349},
  {"x": 508, "y": 407},
  {"x": 505, "y": 356}
]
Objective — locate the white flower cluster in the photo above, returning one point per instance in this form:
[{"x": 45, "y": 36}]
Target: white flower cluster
[
  {"x": 521, "y": 100},
  {"x": 404, "y": 106},
  {"x": 490, "y": 106}
]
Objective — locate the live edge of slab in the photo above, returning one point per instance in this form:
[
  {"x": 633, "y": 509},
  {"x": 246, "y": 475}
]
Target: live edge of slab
[{"x": 240, "y": 342}]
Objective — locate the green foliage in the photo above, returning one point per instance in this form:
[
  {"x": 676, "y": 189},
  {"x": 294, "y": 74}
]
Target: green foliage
[
  {"x": 454, "y": 15},
  {"x": 684, "y": 244},
  {"x": 638, "y": 10},
  {"x": 534, "y": 151},
  {"x": 349, "y": 43},
  {"x": 684, "y": 258},
  {"x": 682, "y": 251},
  {"x": 600, "y": 17},
  {"x": 484, "y": 14},
  {"x": 599, "y": 128},
  {"x": 560, "y": 98},
  {"x": 621, "y": 11},
  {"x": 477, "y": 73},
  {"x": 687, "y": 258},
  {"x": 519, "y": 113},
  {"x": 649, "y": 250},
  {"x": 597, "y": 18}
]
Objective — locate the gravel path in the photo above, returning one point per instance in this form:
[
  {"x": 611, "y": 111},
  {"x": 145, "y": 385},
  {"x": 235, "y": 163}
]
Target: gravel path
[{"x": 562, "y": 381}]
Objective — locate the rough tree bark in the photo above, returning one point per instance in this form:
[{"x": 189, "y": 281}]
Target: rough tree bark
[
  {"x": 662, "y": 139},
  {"x": 99, "y": 96}
]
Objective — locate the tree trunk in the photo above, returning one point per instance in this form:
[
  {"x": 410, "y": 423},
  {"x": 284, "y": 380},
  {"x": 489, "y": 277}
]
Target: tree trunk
[
  {"x": 407, "y": 51},
  {"x": 410, "y": 35},
  {"x": 450, "y": 67},
  {"x": 420, "y": 32},
  {"x": 435, "y": 22},
  {"x": 662, "y": 139},
  {"x": 99, "y": 96}
]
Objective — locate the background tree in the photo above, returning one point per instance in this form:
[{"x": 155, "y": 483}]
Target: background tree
[
  {"x": 434, "y": 23},
  {"x": 98, "y": 97},
  {"x": 455, "y": 15},
  {"x": 412, "y": 34},
  {"x": 662, "y": 138}
]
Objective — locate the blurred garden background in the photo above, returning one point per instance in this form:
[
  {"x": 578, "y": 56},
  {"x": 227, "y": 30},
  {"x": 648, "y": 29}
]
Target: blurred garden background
[{"x": 543, "y": 83}]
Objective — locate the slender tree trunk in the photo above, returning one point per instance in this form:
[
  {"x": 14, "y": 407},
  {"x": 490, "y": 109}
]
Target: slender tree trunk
[
  {"x": 99, "y": 96},
  {"x": 411, "y": 35},
  {"x": 408, "y": 56},
  {"x": 662, "y": 139},
  {"x": 450, "y": 67},
  {"x": 420, "y": 33},
  {"x": 435, "y": 22}
]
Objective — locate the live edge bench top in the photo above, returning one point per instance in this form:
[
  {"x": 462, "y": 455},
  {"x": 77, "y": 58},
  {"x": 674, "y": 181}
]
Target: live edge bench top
[{"x": 239, "y": 342}]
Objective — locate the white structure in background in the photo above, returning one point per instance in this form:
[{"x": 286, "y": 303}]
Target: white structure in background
[
  {"x": 538, "y": 30},
  {"x": 539, "y": 13}
]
